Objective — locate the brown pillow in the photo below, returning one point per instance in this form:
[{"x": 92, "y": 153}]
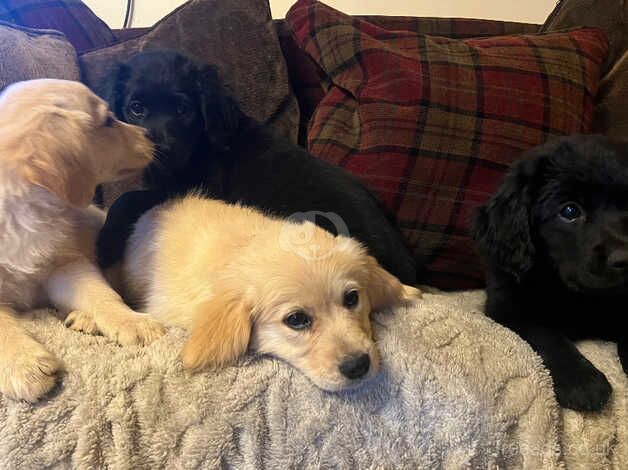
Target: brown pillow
[
  {"x": 611, "y": 111},
  {"x": 611, "y": 16},
  {"x": 237, "y": 36},
  {"x": 27, "y": 53}
]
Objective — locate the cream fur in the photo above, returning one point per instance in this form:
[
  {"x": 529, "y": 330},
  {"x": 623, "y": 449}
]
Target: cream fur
[
  {"x": 231, "y": 275},
  {"x": 57, "y": 142}
]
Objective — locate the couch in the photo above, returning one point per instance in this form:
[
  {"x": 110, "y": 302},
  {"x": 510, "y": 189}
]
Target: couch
[{"x": 456, "y": 390}]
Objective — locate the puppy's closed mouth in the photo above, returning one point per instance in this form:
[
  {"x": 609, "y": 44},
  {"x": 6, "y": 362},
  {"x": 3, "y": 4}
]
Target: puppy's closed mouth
[{"x": 610, "y": 289}]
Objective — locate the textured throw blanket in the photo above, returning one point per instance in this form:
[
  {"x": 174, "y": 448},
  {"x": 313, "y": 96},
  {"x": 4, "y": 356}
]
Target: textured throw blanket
[{"x": 455, "y": 391}]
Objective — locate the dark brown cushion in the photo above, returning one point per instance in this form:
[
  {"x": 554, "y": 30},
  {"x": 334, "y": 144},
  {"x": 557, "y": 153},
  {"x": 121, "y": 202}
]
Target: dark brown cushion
[
  {"x": 611, "y": 16},
  {"x": 611, "y": 111},
  {"x": 237, "y": 36},
  {"x": 29, "y": 53}
]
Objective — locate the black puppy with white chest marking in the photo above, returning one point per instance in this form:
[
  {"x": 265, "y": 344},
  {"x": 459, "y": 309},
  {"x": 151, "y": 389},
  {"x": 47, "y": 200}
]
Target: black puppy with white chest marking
[
  {"x": 555, "y": 239},
  {"x": 204, "y": 141}
]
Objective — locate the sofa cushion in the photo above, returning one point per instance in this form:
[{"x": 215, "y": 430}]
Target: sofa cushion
[
  {"x": 432, "y": 123},
  {"x": 309, "y": 83},
  {"x": 27, "y": 53},
  {"x": 611, "y": 109},
  {"x": 611, "y": 16},
  {"x": 72, "y": 17},
  {"x": 238, "y": 37}
]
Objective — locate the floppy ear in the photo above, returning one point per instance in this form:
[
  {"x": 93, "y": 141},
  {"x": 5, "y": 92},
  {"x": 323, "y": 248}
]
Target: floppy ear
[
  {"x": 74, "y": 187},
  {"x": 220, "y": 332},
  {"x": 221, "y": 112},
  {"x": 112, "y": 87},
  {"x": 502, "y": 227},
  {"x": 384, "y": 289},
  {"x": 55, "y": 158}
]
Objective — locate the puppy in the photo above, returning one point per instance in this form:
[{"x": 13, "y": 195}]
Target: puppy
[
  {"x": 555, "y": 240},
  {"x": 204, "y": 140},
  {"x": 57, "y": 142},
  {"x": 237, "y": 279}
]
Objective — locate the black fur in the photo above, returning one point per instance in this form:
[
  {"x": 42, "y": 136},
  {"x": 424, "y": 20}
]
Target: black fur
[
  {"x": 209, "y": 143},
  {"x": 554, "y": 279}
]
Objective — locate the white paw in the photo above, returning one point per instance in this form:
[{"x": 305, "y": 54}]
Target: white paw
[
  {"x": 126, "y": 328},
  {"x": 411, "y": 293},
  {"x": 81, "y": 321},
  {"x": 27, "y": 370},
  {"x": 133, "y": 329}
]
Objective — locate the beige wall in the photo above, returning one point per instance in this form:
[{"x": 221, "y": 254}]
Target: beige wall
[
  {"x": 527, "y": 11},
  {"x": 110, "y": 11},
  {"x": 148, "y": 12}
]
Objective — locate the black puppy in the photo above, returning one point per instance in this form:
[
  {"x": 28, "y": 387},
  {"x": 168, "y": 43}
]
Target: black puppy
[
  {"x": 555, "y": 239},
  {"x": 205, "y": 141}
]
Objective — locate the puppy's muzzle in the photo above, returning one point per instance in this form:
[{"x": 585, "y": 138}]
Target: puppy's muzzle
[
  {"x": 355, "y": 366},
  {"x": 618, "y": 260}
]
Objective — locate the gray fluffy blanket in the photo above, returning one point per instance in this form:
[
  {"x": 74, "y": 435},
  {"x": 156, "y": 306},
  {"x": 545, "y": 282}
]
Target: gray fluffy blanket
[{"x": 455, "y": 391}]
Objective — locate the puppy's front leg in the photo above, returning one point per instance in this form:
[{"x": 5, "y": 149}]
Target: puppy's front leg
[
  {"x": 27, "y": 369},
  {"x": 121, "y": 218},
  {"x": 94, "y": 306},
  {"x": 578, "y": 384}
]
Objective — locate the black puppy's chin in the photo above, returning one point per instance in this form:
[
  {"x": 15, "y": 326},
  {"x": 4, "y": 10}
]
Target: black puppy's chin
[
  {"x": 156, "y": 175},
  {"x": 169, "y": 162}
]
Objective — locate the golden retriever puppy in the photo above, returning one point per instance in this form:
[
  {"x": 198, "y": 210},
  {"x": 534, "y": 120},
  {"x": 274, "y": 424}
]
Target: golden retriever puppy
[
  {"x": 236, "y": 278},
  {"x": 57, "y": 142}
]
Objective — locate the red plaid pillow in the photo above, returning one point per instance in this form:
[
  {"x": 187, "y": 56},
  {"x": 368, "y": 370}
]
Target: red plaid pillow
[
  {"x": 432, "y": 123},
  {"x": 72, "y": 17}
]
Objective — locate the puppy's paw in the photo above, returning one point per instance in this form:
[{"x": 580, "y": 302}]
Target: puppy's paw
[
  {"x": 411, "y": 293},
  {"x": 28, "y": 371},
  {"x": 81, "y": 321},
  {"x": 583, "y": 391},
  {"x": 137, "y": 329}
]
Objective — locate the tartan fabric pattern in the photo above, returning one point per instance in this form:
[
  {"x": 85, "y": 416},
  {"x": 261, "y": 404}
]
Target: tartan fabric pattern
[
  {"x": 73, "y": 18},
  {"x": 305, "y": 75},
  {"x": 432, "y": 123},
  {"x": 456, "y": 28}
]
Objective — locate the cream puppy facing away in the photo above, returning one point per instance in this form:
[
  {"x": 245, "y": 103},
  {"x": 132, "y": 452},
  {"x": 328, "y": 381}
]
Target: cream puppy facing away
[
  {"x": 58, "y": 140},
  {"x": 236, "y": 278}
]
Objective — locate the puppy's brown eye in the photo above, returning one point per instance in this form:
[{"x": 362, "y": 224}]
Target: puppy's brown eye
[
  {"x": 351, "y": 298},
  {"x": 298, "y": 320},
  {"x": 137, "y": 109},
  {"x": 571, "y": 212},
  {"x": 109, "y": 121}
]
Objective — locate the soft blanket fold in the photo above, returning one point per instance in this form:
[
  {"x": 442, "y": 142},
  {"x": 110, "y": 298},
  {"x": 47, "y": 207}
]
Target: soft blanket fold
[{"x": 456, "y": 391}]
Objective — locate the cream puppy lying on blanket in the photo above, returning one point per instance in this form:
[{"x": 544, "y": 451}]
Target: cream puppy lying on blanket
[
  {"x": 57, "y": 142},
  {"x": 237, "y": 278}
]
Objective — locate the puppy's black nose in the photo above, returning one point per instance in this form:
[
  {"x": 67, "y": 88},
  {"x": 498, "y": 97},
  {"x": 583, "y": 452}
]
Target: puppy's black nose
[
  {"x": 355, "y": 367},
  {"x": 618, "y": 260},
  {"x": 159, "y": 137}
]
